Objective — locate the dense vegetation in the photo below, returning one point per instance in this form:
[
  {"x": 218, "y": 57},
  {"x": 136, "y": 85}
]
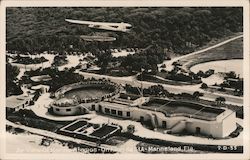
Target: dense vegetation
[
  {"x": 181, "y": 30},
  {"x": 30, "y": 119},
  {"x": 159, "y": 30},
  {"x": 60, "y": 60},
  {"x": 59, "y": 78},
  {"x": 11, "y": 87},
  {"x": 29, "y": 60},
  {"x": 147, "y": 60}
]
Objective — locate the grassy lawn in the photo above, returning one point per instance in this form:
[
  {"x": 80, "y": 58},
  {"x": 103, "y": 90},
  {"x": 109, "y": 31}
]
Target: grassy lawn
[
  {"x": 28, "y": 118},
  {"x": 231, "y": 50}
]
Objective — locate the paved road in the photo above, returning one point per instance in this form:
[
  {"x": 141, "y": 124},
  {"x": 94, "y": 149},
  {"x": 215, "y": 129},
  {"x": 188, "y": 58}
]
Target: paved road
[
  {"x": 171, "y": 88},
  {"x": 169, "y": 63},
  {"x": 175, "y": 88}
]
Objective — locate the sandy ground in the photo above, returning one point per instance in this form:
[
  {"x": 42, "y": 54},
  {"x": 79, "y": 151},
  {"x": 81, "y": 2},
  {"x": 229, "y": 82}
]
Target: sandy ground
[
  {"x": 129, "y": 147},
  {"x": 47, "y": 64},
  {"x": 169, "y": 65},
  {"x": 211, "y": 80},
  {"x": 23, "y": 67},
  {"x": 123, "y": 53},
  {"x": 30, "y": 143},
  {"x": 58, "y": 136},
  {"x": 22, "y": 70},
  {"x": 171, "y": 88},
  {"x": 73, "y": 60},
  {"x": 221, "y": 66}
]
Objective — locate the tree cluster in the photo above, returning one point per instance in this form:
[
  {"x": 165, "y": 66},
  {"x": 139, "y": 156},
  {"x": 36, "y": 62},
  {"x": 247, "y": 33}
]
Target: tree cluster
[
  {"x": 156, "y": 90},
  {"x": 59, "y": 60},
  {"x": 29, "y": 60},
  {"x": 147, "y": 60},
  {"x": 11, "y": 87},
  {"x": 59, "y": 78},
  {"x": 181, "y": 29}
]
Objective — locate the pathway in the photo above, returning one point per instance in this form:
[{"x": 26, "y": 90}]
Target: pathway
[{"x": 169, "y": 65}]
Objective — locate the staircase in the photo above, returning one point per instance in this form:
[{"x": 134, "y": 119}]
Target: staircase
[
  {"x": 154, "y": 120},
  {"x": 178, "y": 127}
]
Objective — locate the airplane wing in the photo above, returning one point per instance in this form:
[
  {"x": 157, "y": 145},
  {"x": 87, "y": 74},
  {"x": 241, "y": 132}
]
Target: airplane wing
[{"x": 91, "y": 23}]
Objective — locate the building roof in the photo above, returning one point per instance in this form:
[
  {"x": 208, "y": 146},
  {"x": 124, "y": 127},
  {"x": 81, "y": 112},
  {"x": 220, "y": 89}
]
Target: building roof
[
  {"x": 114, "y": 104},
  {"x": 41, "y": 78},
  {"x": 65, "y": 102},
  {"x": 39, "y": 86},
  {"x": 183, "y": 108},
  {"x": 128, "y": 99},
  {"x": 15, "y": 101}
]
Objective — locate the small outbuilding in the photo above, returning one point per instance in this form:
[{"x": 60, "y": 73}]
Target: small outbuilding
[{"x": 15, "y": 103}]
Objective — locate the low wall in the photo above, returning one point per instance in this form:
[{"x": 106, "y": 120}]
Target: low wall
[
  {"x": 194, "y": 124},
  {"x": 96, "y": 84},
  {"x": 71, "y": 110},
  {"x": 188, "y": 104}
]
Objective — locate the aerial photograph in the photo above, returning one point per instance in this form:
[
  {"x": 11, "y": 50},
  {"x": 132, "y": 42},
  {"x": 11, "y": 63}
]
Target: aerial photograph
[{"x": 118, "y": 80}]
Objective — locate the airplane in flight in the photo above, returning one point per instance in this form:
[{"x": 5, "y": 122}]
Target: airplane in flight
[{"x": 122, "y": 27}]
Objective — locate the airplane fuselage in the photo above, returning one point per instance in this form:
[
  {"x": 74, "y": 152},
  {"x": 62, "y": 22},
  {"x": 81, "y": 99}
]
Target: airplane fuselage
[{"x": 123, "y": 27}]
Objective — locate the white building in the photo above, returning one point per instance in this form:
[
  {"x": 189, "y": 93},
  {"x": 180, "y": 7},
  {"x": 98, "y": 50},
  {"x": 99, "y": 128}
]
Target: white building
[
  {"x": 171, "y": 116},
  {"x": 15, "y": 103},
  {"x": 182, "y": 117},
  {"x": 43, "y": 88},
  {"x": 67, "y": 107},
  {"x": 41, "y": 78}
]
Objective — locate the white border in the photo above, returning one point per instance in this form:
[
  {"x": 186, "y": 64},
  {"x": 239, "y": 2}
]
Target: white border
[{"x": 127, "y": 3}]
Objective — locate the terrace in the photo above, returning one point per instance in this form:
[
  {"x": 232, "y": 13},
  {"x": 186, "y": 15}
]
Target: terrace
[
  {"x": 15, "y": 101},
  {"x": 41, "y": 78},
  {"x": 182, "y": 108},
  {"x": 129, "y": 99}
]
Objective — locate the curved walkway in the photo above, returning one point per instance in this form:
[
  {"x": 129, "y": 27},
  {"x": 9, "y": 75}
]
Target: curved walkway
[
  {"x": 171, "y": 88},
  {"x": 40, "y": 108},
  {"x": 144, "y": 132},
  {"x": 41, "y": 105},
  {"x": 169, "y": 63},
  {"x": 235, "y": 100}
]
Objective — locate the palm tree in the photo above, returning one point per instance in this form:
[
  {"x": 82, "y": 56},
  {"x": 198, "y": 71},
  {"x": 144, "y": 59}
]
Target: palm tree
[
  {"x": 197, "y": 94},
  {"x": 220, "y": 100}
]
